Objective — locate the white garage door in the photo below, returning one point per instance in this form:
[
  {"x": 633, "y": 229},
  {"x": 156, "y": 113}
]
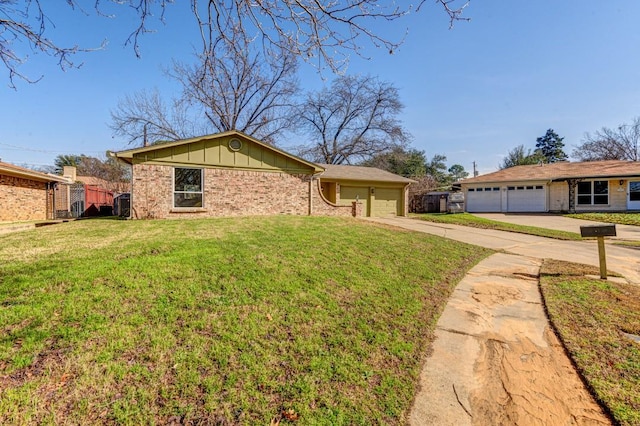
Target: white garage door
[
  {"x": 485, "y": 199},
  {"x": 530, "y": 198}
]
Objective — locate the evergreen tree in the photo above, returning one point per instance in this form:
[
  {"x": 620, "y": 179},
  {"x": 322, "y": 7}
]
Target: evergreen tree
[{"x": 550, "y": 146}]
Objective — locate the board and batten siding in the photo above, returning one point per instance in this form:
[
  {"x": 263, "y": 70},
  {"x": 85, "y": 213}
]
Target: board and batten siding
[{"x": 216, "y": 153}]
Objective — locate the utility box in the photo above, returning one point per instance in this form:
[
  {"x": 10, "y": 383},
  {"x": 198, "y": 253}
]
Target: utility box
[
  {"x": 598, "y": 231},
  {"x": 456, "y": 202}
]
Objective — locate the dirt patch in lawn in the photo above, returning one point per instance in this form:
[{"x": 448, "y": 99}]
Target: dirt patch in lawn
[{"x": 522, "y": 382}]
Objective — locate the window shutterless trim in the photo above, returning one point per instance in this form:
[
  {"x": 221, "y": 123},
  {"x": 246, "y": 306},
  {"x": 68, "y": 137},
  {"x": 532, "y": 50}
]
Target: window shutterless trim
[{"x": 175, "y": 192}]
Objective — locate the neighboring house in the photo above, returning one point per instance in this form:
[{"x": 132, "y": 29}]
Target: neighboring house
[
  {"x": 232, "y": 174},
  {"x": 82, "y": 196},
  {"x": 26, "y": 194},
  {"x": 557, "y": 187}
]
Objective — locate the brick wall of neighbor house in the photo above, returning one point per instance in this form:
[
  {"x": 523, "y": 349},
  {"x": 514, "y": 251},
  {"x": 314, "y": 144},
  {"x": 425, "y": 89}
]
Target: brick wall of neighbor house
[
  {"x": 22, "y": 199},
  {"x": 559, "y": 197},
  {"x": 226, "y": 193}
]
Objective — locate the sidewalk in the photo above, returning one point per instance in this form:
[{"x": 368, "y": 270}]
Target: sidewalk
[{"x": 496, "y": 361}]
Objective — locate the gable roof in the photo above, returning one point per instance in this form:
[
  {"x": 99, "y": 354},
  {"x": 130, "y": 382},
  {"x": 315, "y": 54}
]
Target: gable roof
[
  {"x": 128, "y": 155},
  {"x": 562, "y": 171},
  {"x": 361, "y": 173},
  {"x": 21, "y": 172}
]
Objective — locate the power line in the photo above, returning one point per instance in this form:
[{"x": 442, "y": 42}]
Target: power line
[{"x": 22, "y": 148}]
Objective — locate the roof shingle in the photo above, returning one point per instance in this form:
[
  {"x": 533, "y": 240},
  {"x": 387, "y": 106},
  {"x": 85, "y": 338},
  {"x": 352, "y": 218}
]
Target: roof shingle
[
  {"x": 360, "y": 173},
  {"x": 561, "y": 171}
]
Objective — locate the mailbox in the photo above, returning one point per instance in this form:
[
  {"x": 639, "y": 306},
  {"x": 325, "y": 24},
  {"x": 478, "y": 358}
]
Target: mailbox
[{"x": 598, "y": 231}]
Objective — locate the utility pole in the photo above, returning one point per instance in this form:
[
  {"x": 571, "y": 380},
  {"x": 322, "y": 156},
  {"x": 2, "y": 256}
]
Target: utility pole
[{"x": 475, "y": 171}]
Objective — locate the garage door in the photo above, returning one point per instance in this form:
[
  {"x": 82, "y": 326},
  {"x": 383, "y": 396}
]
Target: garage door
[
  {"x": 485, "y": 199},
  {"x": 387, "y": 202},
  {"x": 530, "y": 198},
  {"x": 348, "y": 195}
]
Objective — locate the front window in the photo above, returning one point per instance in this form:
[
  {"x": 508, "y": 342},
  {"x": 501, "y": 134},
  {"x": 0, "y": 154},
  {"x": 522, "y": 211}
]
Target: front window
[
  {"x": 593, "y": 193},
  {"x": 634, "y": 191},
  {"x": 187, "y": 189}
]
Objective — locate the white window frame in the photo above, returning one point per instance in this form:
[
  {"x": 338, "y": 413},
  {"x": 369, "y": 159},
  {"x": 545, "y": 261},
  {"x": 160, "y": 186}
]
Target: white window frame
[{"x": 201, "y": 192}]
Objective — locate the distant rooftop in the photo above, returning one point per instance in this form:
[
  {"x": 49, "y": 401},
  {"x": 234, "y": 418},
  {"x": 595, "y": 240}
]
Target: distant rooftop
[{"x": 561, "y": 171}]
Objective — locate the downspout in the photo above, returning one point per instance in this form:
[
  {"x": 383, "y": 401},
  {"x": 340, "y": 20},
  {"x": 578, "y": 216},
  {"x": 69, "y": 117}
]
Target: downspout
[
  {"x": 405, "y": 200},
  {"x": 131, "y": 194},
  {"x": 49, "y": 214}
]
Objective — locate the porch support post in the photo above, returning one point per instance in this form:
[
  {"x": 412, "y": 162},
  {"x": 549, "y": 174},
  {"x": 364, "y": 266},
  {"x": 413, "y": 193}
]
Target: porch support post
[{"x": 572, "y": 194}]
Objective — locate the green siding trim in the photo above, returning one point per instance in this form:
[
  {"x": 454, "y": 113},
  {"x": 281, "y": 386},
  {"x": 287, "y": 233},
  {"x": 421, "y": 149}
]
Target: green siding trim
[{"x": 214, "y": 151}]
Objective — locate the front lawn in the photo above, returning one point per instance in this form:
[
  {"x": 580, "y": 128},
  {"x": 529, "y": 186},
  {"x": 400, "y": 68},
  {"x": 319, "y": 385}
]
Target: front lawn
[
  {"x": 596, "y": 320},
  {"x": 219, "y": 321},
  {"x": 466, "y": 219},
  {"x": 621, "y": 218}
]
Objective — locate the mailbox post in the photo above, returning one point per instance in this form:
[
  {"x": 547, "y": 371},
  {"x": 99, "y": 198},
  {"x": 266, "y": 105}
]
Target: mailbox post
[{"x": 599, "y": 231}]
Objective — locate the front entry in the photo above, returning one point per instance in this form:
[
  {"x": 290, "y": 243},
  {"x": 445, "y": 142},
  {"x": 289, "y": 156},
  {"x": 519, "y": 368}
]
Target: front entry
[{"x": 633, "y": 197}]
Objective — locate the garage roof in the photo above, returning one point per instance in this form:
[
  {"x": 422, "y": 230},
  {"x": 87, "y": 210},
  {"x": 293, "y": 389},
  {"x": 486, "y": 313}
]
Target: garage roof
[
  {"x": 21, "y": 172},
  {"x": 360, "y": 173},
  {"x": 562, "y": 171}
]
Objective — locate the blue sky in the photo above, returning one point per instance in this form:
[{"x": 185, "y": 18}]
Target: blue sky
[{"x": 471, "y": 93}]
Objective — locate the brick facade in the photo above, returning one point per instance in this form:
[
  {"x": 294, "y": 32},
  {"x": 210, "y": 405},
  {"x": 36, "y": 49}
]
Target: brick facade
[
  {"x": 22, "y": 199},
  {"x": 228, "y": 192}
]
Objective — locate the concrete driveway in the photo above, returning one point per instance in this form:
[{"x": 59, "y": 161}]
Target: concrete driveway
[
  {"x": 560, "y": 223},
  {"x": 623, "y": 260}
]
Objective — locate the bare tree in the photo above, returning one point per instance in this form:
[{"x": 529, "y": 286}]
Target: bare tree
[
  {"x": 241, "y": 90},
  {"x": 520, "y": 156},
  {"x": 352, "y": 120},
  {"x": 326, "y": 32},
  {"x": 231, "y": 88},
  {"x": 145, "y": 116},
  {"x": 622, "y": 143}
]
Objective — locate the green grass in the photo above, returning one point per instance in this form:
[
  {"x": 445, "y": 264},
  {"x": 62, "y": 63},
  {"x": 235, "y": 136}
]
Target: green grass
[
  {"x": 219, "y": 321},
  {"x": 466, "y": 219},
  {"x": 591, "y": 316},
  {"x": 620, "y": 218}
]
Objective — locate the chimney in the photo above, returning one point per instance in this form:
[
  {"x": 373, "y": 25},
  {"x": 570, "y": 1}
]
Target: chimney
[{"x": 69, "y": 172}]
